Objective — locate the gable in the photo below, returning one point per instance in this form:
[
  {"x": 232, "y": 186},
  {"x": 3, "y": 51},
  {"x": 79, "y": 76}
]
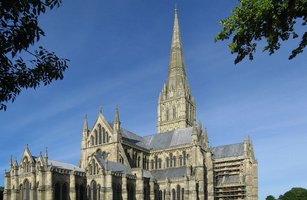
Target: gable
[
  {"x": 100, "y": 133},
  {"x": 27, "y": 156}
]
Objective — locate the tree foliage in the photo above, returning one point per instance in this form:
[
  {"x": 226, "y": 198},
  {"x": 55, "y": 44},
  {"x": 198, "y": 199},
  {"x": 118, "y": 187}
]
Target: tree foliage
[
  {"x": 295, "y": 194},
  {"x": 270, "y": 197},
  {"x": 19, "y": 30},
  {"x": 271, "y": 20}
]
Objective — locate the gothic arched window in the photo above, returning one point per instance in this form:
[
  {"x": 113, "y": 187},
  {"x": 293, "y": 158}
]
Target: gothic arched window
[
  {"x": 156, "y": 162},
  {"x": 171, "y": 159},
  {"x": 167, "y": 162},
  {"x": 92, "y": 140},
  {"x": 103, "y": 135},
  {"x": 107, "y": 137},
  {"x": 178, "y": 192},
  {"x": 144, "y": 162},
  {"x": 139, "y": 161},
  {"x": 96, "y": 137},
  {"x": 100, "y": 133},
  {"x": 187, "y": 158},
  {"x": 173, "y": 194},
  {"x": 93, "y": 190},
  {"x": 26, "y": 165},
  {"x": 180, "y": 160},
  {"x": 175, "y": 161}
]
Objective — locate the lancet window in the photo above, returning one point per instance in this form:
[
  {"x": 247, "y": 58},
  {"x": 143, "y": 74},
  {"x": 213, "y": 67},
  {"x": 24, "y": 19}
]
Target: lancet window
[
  {"x": 26, "y": 165},
  {"x": 99, "y": 134},
  {"x": 178, "y": 192}
]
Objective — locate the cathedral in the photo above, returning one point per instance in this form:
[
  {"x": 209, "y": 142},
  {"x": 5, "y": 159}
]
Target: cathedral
[{"x": 176, "y": 163}]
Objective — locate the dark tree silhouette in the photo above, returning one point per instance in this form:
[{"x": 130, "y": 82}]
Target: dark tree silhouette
[
  {"x": 19, "y": 30},
  {"x": 295, "y": 194},
  {"x": 271, "y": 20},
  {"x": 270, "y": 197}
]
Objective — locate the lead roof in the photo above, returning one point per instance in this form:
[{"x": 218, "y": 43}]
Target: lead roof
[
  {"x": 159, "y": 141},
  {"x": 231, "y": 150}
]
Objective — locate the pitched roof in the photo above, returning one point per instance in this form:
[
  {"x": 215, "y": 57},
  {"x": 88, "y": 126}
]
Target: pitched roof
[
  {"x": 228, "y": 179},
  {"x": 63, "y": 165},
  {"x": 113, "y": 166},
  {"x": 160, "y": 141},
  {"x": 169, "y": 173},
  {"x": 231, "y": 150}
]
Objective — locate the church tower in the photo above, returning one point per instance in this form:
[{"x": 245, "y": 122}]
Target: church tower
[{"x": 176, "y": 106}]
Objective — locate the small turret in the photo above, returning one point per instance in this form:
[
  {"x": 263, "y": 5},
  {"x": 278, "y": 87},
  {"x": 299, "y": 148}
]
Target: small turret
[
  {"x": 200, "y": 126},
  {"x": 206, "y": 140},
  {"x": 194, "y": 135},
  {"x": 11, "y": 162},
  {"x": 245, "y": 146},
  {"x": 15, "y": 165},
  {"x": 46, "y": 156},
  {"x": 100, "y": 110},
  {"x": 116, "y": 122},
  {"x": 85, "y": 127}
]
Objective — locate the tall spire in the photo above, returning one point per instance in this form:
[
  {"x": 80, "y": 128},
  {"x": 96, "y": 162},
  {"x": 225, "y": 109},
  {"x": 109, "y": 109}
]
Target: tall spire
[
  {"x": 176, "y": 68},
  {"x": 176, "y": 106}
]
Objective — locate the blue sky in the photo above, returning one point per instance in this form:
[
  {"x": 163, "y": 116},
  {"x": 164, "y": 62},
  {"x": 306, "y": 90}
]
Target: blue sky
[{"x": 119, "y": 52}]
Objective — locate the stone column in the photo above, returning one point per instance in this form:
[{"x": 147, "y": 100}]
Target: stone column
[
  {"x": 186, "y": 188},
  {"x": 33, "y": 184},
  {"x": 152, "y": 189},
  {"x": 124, "y": 187},
  {"x": 108, "y": 185},
  {"x": 202, "y": 185},
  {"x": 72, "y": 185},
  {"x": 139, "y": 191},
  {"x": 39, "y": 188},
  {"x": 255, "y": 180},
  {"x": 7, "y": 186},
  {"x": 49, "y": 186},
  {"x": 168, "y": 189},
  {"x": 15, "y": 192},
  {"x": 209, "y": 170},
  {"x": 192, "y": 190}
]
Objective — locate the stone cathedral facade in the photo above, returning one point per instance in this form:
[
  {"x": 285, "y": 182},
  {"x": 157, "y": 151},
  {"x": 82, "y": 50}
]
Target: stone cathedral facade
[{"x": 176, "y": 163}]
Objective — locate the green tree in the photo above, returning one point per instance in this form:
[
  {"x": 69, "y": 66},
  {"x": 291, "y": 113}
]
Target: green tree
[
  {"x": 270, "y": 197},
  {"x": 295, "y": 194},
  {"x": 19, "y": 30},
  {"x": 271, "y": 20}
]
